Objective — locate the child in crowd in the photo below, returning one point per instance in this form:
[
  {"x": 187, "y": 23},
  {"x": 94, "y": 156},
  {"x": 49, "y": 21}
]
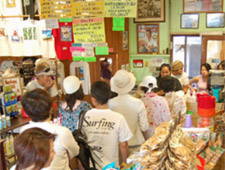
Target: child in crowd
[
  {"x": 106, "y": 131},
  {"x": 73, "y": 105},
  {"x": 174, "y": 98},
  {"x": 131, "y": 108},
  {"x": 156, "y": 106},
  {"x": 34, "y": 149}
]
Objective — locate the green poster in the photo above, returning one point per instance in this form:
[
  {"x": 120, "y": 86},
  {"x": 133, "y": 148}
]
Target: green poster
[{"x": 102, "y": 50}]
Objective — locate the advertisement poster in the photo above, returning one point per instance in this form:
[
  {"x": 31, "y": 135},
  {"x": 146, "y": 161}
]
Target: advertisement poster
[
  {"x": 118, "y": 8},
  {"x": 87, "y": 8},
  {"x": 89, "y": 30}
]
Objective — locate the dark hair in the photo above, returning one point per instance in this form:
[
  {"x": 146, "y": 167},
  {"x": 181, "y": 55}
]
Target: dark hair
[
  {"x": 148, "y": 30},
  {"x": 37, "y": 104},
  {"x": 161, "y": 67},
  {"x": 72, "y": 98},
  {"x": 207, "y": 66},
  {"x": 32, "y": 147},
  {"x": 100, "y": 90},
  {"x": 167, "y": 84},
  {"x": 222, "y": 64}
]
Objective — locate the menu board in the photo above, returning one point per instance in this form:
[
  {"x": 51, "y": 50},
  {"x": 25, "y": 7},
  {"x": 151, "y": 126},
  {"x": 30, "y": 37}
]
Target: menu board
[
  {"x": 89, "y": 30},
  {"x": 87, "y": 8},
  {"x": 119, "y": 8},
  {"x": 55, "y": 8}
]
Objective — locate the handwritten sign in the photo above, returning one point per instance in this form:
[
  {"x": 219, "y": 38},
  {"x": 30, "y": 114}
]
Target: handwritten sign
[
  {"x": 16, "y": 84},
  {"x": 55, "y": 8},
  {"x": 89, "y": 30},
  {"x": 118, "y": 24},
  {"x": 87, "y": 8},
  {"x": 119, "y": 8}
]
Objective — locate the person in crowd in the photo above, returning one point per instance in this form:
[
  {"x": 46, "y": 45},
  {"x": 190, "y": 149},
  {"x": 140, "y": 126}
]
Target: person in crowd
[
  {"x": 177, "y": 72},
  {"x": 175, "y": 99},
  {"x": 221, "y": 65},
  {"x": 165, "y": 70},
  {"x": 106, "y": 69},
  {"x": 37, "y": 104},
  {"x": 202, "y": 80},
  {"x": 73, "y": 105},
  {"x": 131, "y": 108},
  {"x": 104, "y": 129},
  {"x": 34, "y": 149},
  {"x": 43, "y": 79},
  {"x": 157, "y": 107}
]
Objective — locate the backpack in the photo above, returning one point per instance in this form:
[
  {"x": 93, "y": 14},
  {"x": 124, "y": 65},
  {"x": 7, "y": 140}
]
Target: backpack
[{"x": 85, "y": 151}]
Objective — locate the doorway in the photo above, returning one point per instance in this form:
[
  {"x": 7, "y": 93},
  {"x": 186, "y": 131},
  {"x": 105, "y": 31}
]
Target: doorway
[{"x": 187, "y": 48}]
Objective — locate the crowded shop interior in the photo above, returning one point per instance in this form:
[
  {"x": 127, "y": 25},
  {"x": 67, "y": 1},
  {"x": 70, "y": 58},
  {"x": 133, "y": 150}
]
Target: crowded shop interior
[{"x": 112, "y": 85}]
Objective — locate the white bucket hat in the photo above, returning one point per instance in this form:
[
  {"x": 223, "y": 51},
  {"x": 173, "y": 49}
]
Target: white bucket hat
[
  {"x": 71, "y": 84},
  {"x": 122, "y": 82},
  {"x": 43, "y": 68},
  {"x": 146, "y": 83}
]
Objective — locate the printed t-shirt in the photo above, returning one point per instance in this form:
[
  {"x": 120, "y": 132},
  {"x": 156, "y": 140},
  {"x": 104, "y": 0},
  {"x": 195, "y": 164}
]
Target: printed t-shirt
[
  {"x": 63, "y": 40},
  {"x": 104, "y": 129}
]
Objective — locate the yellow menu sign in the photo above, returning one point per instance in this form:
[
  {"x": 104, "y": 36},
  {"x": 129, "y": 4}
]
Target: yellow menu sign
[
  {"x": 121, "y": 8},
  {"x": 87, "y": 8},
  {"x": 90, "y": 30},
  {"x": 55, "y": 9}
]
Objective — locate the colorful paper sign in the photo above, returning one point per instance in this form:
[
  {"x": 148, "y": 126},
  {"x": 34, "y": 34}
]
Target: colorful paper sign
[
  {"x": 90, "y": 59},
  {"x": 55, "y": 8},
  {"x": 89, "y": 30},
  {"x": 87, "y": 8},
  {"x": 118, "y": 24},
  {"x": 78, "y": 58},
  {"x": 102, "y": 50},
  {"x": 118, "y": 8}
]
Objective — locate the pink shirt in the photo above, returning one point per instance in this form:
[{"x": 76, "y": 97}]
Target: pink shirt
[
  {"x": 157, "y": 110},
  {"x": 202, "y": 85}
]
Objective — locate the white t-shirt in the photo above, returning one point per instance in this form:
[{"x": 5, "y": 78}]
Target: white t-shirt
[
  {"x": 35, "y": 85},
  {"x": 64, "y": 144},
  {"x": 183, "y": 78},
  {"x": 104, "y": 129},
  {"x": 134, "y": 111},
  {"x": 81, "y": 70}
]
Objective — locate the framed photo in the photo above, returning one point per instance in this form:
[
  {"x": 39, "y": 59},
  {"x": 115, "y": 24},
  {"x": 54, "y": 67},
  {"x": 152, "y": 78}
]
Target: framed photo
[
  {"x": 137, "y": 63},
  {"x": 193, "y": 6},
  {"x": 214, "y": 20},
  {"x": 125, "y": 40},
  {"x": 147, "y": 38},
  {"x": 150, "y": 11},
  {"x": 189, "y": 21}
]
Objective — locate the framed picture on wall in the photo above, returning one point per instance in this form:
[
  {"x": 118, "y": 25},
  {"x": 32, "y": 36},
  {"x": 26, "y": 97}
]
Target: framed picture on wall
[
  {"x": 214, "y": 20},
  {"x": 189, "y": 21},
  {"x": 147, "y": 38},
  {"x": 193, "y": 6},
  {"x": 150, "y": 11}
]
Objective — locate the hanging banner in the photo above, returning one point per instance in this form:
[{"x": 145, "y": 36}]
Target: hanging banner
[
  {"x": 87, "y": 8},
  {"x": 89, "y": 30},
  {"x": 119, "y": 8},
  {"x": 55, "y": 8}
]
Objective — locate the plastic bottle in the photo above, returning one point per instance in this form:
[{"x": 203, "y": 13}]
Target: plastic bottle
[
  {"x": 4, "y": 121},
  {"x": 1, "y": 125},
  {"x": 8, "y": 121}
]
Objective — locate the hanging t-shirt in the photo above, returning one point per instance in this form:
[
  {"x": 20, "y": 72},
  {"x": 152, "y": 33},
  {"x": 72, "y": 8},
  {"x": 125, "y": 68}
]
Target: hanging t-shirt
[
  {"x": 4, "y": 47},
  {"x": 11, "y": 7},
  {"x": 81, "y": 70},
  {"x": 63, "y": 40}
]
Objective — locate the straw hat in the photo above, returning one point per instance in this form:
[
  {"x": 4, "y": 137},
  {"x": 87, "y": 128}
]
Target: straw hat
[
  {"x": 122, "y": 82},
  {"x": 177, "y": 65},
  {"x": 43, "y": 69}
]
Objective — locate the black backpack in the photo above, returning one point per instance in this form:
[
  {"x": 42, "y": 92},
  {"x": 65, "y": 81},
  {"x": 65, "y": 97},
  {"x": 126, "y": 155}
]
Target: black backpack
[{"x": 85, "y": 151}]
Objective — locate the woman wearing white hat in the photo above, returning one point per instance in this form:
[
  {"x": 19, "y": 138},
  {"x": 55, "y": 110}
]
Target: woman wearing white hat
[
  {"x": 73, "y": 105},
  {"x": 131, "y": 108},
  {"x": 157, "y": 107}
]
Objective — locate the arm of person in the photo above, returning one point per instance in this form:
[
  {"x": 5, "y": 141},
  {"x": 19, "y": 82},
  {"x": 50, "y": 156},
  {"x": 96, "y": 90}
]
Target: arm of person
[
  {"x": 193, "y": 80},
  {"x": 143, "y": 120},
  {"x": 124, "y": 150},
  {"x": 185, "y": 88}
]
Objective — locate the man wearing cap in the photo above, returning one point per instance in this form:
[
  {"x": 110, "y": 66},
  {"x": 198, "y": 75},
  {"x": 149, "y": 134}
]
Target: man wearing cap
[
  {"x": 43, "y": 79},
  {"x": 131, "y": 108},
  {"x": 177, "y": 72}
]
